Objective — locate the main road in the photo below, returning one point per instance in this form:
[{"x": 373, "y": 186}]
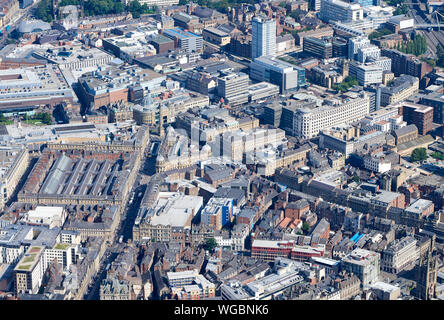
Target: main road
[
  {"x": 23, "y": 14},
  {"x": 114, "y": 248}
]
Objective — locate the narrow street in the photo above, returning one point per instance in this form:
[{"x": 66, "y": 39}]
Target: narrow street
[{"x": 124, "y": 229}]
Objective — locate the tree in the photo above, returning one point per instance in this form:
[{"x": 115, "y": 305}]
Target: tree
[
  {"x": 440, "y": 54},
  {"x": 380, "y": 33},
  {"x": 349, "y": 82},
  {"x": 45, "y": 118},
  {"x": 356, "y": 179},
  {"x": 119, "y": 7},
  {"x": 403, "y": 9},
  {"x": 417, "y": 46},
  {"x": 295, "y": 14},
  {"x": 44, "y": 11},
  {"x": 210, "y": 244},
  {"x": 282, "y": 4},
  {"x": 419, "y": 154},
  {"x": 438, "y": 155},
  {"x": 69, "y": 2},
  {"x": 305, "y": 226}
]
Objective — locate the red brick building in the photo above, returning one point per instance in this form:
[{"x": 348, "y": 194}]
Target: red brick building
[
  {"x": 419, "y": 115},
  {"x": 294, "y": 210}
]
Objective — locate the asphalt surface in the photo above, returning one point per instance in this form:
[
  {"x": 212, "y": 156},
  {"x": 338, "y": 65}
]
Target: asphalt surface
[
  {"x": 125, "y": 229},
  {"x": 23, "y": 14}
]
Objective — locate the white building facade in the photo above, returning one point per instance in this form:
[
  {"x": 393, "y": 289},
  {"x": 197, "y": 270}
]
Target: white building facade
[{"x": 263, "y": 37}]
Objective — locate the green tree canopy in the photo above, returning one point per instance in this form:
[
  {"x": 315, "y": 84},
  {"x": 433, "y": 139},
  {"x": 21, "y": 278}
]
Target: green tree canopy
[
  {"x": 44, "y": 11},
  {"x": 69, "y": 3},
  {"x": 440, "y": 54},
  {"x": 379, "y": 33},
  {"x": 348, "y": 82},
  {"x": 437, "y": 155},
  {"x": 419, "y": 154},
  {"x": 417, "y": 46},
  {"x": 403, "y": 9},
  {"x": 295, "y": 14},
  {"x": 210, "y": 244}
]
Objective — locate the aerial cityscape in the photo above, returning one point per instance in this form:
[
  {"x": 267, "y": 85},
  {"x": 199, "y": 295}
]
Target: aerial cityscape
[{"x": 221, "y": 150}]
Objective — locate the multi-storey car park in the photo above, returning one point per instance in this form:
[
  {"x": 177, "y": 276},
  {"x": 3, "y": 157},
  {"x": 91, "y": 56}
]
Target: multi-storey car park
[{"x": 30, "y": 87}]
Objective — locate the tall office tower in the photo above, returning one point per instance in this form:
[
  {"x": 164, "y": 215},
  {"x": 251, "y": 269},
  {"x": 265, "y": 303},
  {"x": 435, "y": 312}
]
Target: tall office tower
[
  {"x": 263, "y": 41},
  {"x": 427, "y": 272}
]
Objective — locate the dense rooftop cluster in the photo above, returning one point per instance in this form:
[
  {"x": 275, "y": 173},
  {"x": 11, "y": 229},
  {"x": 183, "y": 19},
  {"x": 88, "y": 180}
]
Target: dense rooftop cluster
[{"x": 287, "y": 150}]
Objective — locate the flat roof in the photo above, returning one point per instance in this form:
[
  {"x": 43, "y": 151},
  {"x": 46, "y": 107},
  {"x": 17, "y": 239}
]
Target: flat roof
[
  {"x": 60, "y": 129},
  {"x": 273, "y": 243},
  {"x": 160, "y": 39},
  {"x": 419, "y": 206},
  {"x": 217, "y": 32},
  {"x": 182, "y": 274},
  {"x": 175, "y": 210},
  {"x": 361, "y": 256},
  {"x": 29, "y": 259},
  {"x": 327, "y": 261},
  {"x": 180, "y": 33},
  {"x": 386, "y": 287},
  {"x": 45, "y": 212}
]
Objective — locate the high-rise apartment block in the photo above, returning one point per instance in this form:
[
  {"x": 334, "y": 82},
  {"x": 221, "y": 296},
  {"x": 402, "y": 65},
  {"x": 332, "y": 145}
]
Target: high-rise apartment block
[
  {"x": 384, "y": 62},
  {"x": 316, "y": 4},
  {"x": 354, "y": 44},
  {"x": 368, "y": 52},
  {"x": 263, "y": 37}
]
